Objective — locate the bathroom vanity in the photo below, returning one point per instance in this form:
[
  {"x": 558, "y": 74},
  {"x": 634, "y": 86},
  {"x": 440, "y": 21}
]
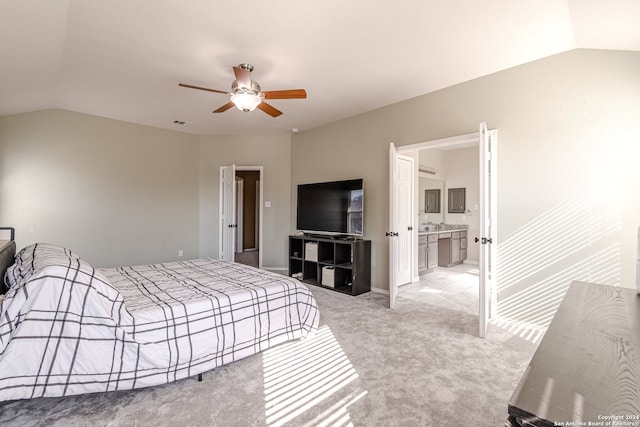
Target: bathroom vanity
[{"x": 443, "y": 248}]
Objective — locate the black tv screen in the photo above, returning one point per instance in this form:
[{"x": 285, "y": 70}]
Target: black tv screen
[{"x": 331, "y": 207}]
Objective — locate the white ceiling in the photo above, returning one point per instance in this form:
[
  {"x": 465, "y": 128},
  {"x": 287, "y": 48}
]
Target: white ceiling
[{"x": 123, "y": 59}]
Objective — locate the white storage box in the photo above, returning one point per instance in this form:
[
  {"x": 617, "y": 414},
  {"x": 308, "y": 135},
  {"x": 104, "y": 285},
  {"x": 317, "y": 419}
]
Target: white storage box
[
  {"x": 311, "y": 251},
  {"x": 328, "y": 276}
]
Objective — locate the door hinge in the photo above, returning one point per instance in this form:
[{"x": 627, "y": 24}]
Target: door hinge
[{"x": 391, "y": 234}]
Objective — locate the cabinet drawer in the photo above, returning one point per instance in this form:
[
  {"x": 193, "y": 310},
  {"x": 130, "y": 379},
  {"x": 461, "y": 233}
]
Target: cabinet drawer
[
  {"x": 431, "y": 238},
  {"x": 422, "y": 258},
  {"x": 444, "y": 235},
  {"x": 463, "y": 234},
  {"x": 422, "y": 239},
  {"x": 455, "y": 235},
  {"x": 463, "y": 243}
]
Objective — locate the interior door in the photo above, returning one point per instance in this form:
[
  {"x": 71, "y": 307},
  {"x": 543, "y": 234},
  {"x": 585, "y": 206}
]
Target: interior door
[
  {"x": 227, "y": 212},
  {"x": 401, "y": 235},
  {"x": 488, "y": 226}
]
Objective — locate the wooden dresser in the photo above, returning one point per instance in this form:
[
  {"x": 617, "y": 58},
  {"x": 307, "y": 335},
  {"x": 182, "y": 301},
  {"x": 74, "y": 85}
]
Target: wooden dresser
[{"x": 586, "y": 371}]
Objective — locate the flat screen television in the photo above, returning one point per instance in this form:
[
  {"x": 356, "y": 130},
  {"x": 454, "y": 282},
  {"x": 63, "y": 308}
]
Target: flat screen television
[{"x": 331, "y": 207}]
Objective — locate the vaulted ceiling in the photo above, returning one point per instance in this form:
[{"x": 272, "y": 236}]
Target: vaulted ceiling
[{"x": 123, "y": 59}]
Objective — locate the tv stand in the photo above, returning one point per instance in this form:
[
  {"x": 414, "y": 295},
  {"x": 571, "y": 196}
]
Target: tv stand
[
  {"x": 344, "y": 237},
  {"x": 345, "y": 263}
]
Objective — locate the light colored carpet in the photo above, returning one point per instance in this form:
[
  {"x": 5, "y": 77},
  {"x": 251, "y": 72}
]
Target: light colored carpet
[{"x": 419, "y": 365}]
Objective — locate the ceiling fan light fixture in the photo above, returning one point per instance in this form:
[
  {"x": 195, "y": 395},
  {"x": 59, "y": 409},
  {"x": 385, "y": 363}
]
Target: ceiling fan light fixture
[
  {"x": 246, "y": 101},
  {"x": 246, "y": 94}
]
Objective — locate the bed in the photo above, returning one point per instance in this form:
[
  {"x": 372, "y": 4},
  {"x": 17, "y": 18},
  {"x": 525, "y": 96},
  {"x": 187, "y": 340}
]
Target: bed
[{"x": 67, "y": 328}]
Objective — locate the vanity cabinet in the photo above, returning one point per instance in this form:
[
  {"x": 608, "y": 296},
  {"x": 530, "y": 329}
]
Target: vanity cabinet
[
  {"x": 427, "y": 252},
  {"x": 452, "y": 248},
  {"x": 423, "y": 254},
  {"x": 432, "y": 251},
  {"x": 463, "y": 245},
  {"x": 455, "y": 248}
]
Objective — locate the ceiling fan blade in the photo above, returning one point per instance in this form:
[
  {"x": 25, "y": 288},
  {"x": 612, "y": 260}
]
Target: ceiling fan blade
[
  {"x": 202, "y": 88},
  {"x": 224, "y": 108},
  {"x": 285, "y": 94},
  {"x": 269, "y": 109},
  {"x": 243, "y": 77}
]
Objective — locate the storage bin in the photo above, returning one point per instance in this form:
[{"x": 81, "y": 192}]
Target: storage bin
[
  {"x": 328, "y": 276},
  {"x": 311, "y": 251}
]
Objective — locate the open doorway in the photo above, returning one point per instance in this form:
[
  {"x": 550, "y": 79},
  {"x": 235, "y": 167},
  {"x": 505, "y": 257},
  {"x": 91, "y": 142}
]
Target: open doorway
[
  {"x": 454, "y": 224},
  {"x": 241, "y": 214},
  {"x": 248, "y": 217},
  {"x": 445, "y": 272}
]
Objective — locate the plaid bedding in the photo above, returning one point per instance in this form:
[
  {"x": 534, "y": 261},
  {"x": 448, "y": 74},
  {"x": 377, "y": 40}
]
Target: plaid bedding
[{"x": 68, "y": 328}]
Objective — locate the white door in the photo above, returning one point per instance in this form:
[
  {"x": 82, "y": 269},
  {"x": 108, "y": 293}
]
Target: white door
[
  {"x": 488, "y": 225},
  {"x": 227, "y": 212},
  {"x": 401, "y": 170}
]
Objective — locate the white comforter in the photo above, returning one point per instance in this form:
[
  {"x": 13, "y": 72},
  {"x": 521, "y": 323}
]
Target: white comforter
[{"x": 67, "y": 328}]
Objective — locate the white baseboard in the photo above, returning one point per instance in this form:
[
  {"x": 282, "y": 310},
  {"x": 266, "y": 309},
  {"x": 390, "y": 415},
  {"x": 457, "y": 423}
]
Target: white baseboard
[
  {"x": 466, "y": 261},
  {"x": 380, "y": 291}
]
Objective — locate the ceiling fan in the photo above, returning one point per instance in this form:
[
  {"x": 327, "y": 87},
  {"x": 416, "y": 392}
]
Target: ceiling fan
[{"x": 247, "y": 95}]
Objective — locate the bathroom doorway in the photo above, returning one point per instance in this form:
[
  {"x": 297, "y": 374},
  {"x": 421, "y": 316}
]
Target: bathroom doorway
[{"x": 464, "y": 205}]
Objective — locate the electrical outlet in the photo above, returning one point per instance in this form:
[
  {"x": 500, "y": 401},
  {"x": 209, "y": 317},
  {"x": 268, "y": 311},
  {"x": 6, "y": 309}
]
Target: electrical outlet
[{"x": 180, "y": 252}]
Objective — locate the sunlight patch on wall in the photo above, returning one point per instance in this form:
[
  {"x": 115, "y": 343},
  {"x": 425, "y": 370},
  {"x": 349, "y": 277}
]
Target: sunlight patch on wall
[
  {"x": 538, "y": 302},
  {"x": 578, "y": 239},
  {"x": 305, "y": 381},
  {"x": 560, "y": 232}
]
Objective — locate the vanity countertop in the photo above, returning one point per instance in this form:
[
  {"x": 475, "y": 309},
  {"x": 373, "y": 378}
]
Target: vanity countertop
[{"x": 454, "y": 228}]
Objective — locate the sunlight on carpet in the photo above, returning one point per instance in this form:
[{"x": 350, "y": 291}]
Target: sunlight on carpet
[{"x": 302, "y": 375}]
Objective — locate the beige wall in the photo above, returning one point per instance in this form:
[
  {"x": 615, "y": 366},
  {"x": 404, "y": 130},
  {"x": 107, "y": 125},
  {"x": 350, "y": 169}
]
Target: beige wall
[
  {"x": 114, "y": 192},
  {"x": 568, "y": 207},
  {"x": 568, "y": 169},
  {"x": 119, "y": 193},
  {"x": 273, "y": 153}
]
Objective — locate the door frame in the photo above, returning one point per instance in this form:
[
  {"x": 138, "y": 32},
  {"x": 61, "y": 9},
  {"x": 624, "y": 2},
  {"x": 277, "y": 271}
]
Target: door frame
[
  {"x": 239, "y": 214},
  {"x": 259, "y": 169},
  {"x": 470, "y": 139},
  {"x": 227, "y": 214}
]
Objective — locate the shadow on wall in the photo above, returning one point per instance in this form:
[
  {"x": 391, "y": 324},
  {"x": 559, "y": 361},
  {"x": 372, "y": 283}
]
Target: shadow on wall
[{"x": 575, "y": 240}]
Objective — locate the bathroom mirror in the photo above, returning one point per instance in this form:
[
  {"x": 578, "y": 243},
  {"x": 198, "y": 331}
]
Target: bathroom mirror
[
  {"x": 457, "y": 200},
  {"x": 432, "y": 201},
  {"x": 435, "y": 187}
]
